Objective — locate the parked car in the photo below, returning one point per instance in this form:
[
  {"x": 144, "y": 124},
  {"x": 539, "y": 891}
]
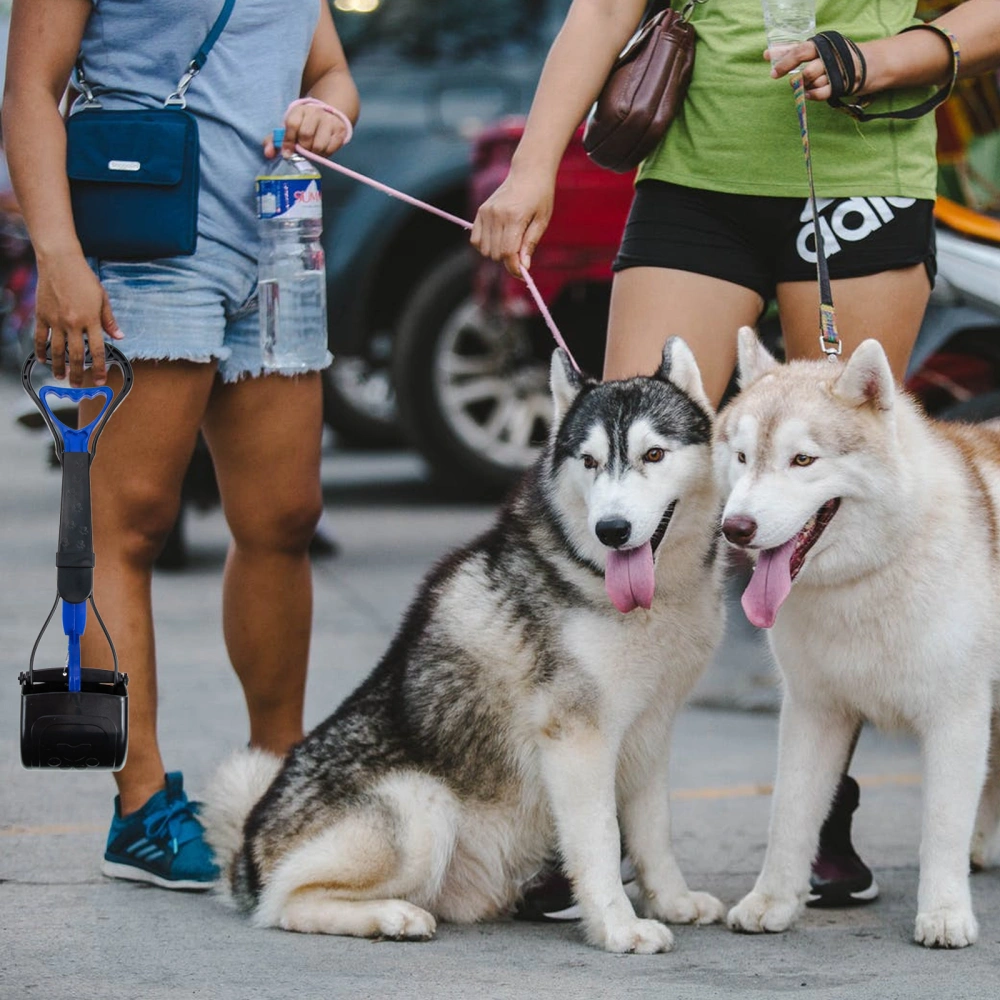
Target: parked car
[
  {"x": 430, "y": 77},
  {"x": 472, "y": 354}
]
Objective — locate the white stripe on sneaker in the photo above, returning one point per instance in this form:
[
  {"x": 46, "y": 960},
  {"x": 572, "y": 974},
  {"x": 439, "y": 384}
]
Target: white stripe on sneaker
[{"x": 130, "y": 873}]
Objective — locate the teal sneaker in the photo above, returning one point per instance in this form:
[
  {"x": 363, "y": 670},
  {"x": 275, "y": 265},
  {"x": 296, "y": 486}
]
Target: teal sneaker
[{"x": 162, "y": 843}]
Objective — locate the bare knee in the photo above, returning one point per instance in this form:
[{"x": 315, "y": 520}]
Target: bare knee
[
  {"x": 136, "y": 522},
  {"x": 283, "y": 524}
]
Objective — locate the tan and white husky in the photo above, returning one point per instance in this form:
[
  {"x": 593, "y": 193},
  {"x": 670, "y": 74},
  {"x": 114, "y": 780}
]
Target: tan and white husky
[{"x": 876, "y": 533}]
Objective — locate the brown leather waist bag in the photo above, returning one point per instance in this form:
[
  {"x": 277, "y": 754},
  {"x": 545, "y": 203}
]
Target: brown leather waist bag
[{"x": 643, "y": 93}]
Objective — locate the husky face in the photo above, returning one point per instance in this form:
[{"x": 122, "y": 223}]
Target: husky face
[
  {"x": 801, "y": 455},
  {"x": 623, "y": 454}
]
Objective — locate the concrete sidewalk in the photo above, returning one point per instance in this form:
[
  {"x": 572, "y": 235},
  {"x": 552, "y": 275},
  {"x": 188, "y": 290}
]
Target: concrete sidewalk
[{"x": 69, "y": 933}]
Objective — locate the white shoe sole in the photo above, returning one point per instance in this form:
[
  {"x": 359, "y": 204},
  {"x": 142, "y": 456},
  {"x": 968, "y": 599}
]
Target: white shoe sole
[
  {"x": 573, "y": 912},
  {"x": 861, "y": 896},
  {"x": 131, "y": 874}
]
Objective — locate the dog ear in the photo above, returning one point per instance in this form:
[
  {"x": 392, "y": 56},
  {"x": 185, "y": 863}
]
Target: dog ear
[
  {"x": 754, "y": 358},
  {"x": 680, "y": 367},
  {"x": 867, "y": 378},
  {"x": 565, "y": 381}
]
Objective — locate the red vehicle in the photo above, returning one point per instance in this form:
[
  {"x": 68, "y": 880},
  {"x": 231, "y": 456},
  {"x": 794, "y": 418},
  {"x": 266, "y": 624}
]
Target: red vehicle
[{"x": 471, "y": 358}]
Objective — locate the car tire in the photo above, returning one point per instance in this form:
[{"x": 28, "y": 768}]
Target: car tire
[
  {"x": 445, "y": 343},
  {"x": 358, "y": 403}
]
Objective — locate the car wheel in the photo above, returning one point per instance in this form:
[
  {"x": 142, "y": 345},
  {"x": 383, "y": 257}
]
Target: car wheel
[
  {"x": 358, "y": 398},
  {"x": 471, "y": 385}
]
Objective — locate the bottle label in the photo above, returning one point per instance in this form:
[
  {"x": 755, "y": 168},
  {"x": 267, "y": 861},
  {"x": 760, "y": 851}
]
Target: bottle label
[{"x": 289, "y": 198}]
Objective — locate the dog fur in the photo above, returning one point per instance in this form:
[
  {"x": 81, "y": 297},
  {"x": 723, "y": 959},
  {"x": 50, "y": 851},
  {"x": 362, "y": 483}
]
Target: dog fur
[
  {"x": 517, "y": 713},
  {"x": 893, "y": 618}
]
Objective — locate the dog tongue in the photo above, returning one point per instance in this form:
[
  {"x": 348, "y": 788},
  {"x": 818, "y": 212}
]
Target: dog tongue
[
  {"x": 770, "y": 584},
  {"x": 628, "y": 577}
]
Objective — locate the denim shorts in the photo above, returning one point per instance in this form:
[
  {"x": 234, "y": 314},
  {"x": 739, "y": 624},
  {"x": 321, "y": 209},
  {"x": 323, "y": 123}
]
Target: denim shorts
[{"x": 198, "y": 308}]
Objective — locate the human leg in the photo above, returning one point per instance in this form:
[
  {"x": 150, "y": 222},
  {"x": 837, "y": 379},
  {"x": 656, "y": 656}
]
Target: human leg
[
  {"x": 135, "y": 486},
  {"x": 650, "y": 304},
  {"x": 265, "y": 438},
  {"x": 888, "y": 307}
]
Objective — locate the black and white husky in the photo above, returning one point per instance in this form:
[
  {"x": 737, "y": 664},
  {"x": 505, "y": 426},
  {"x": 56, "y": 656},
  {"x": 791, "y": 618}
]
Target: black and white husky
[{"x": 524, "y": 707}]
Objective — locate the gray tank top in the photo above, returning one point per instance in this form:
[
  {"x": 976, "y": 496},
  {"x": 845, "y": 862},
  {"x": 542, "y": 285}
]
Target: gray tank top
[{"x": 135, "y": 51}]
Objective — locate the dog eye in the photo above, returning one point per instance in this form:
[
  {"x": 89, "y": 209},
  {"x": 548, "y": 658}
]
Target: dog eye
[
  {"x": 741, "y": 458},
  {"x": 589, "y": 462},
  {"x": 803, "y": 460},
  {"x": 654, "y": 455}
]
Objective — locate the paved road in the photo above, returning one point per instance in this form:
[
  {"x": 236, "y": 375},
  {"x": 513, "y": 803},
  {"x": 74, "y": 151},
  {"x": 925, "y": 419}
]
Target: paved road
[{"x": 68, "y": 933}]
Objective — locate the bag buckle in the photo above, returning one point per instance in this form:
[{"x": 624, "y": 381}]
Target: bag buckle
[
  {"x": 177, "y": 98},
  {"x": 91, "y": 101},
  {"x": 689, "y": 7}
]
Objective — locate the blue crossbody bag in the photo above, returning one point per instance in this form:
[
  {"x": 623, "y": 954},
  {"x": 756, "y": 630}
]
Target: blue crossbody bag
[{"x": 134, "y": 175}]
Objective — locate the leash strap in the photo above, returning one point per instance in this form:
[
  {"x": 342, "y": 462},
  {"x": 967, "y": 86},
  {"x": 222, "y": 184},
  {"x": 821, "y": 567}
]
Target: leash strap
[
  {"x": 434, "y": 210},
  {"x": 836, "y": 53},
  {"x": 829, "y": 339}
]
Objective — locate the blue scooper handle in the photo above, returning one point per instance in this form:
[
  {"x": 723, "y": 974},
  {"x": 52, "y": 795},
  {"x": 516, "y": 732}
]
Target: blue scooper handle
[{"x": 75, "y": 450}]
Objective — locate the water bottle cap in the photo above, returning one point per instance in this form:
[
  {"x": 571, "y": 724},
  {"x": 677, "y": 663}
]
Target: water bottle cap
[{"x": 279, "y": 137}]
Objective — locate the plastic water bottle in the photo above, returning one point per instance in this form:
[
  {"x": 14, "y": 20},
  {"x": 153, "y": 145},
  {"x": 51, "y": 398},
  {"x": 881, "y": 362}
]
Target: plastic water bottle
[
  {"x": 291, "y": 279},
  {"x": 787, "y": 22}
]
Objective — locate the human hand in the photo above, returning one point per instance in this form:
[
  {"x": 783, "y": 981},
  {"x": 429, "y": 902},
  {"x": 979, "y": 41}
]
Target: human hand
[
  {"x": 71, "y": 302},
  {"x": 313, "y": 127},
  {"x": 513, "y": 219},
  {"x": 805, "y": 56}
]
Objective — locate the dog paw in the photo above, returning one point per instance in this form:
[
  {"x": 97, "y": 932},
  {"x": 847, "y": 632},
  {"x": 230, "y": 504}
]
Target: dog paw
[
  {"x": 687, "y": 908},
  {"x": 641, "y": 937},
  {"x": 948, "y": 927},
  {"x": 403, "y": 921},
  {"x": 757, "y": 912}
]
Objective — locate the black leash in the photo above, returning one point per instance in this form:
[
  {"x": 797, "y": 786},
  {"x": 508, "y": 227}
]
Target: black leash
[{"x": 838, "y": 54}]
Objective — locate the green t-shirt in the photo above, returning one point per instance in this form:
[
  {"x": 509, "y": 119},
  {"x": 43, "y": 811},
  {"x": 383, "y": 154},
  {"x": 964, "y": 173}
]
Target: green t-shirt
[{"x": 738, "y": 132}]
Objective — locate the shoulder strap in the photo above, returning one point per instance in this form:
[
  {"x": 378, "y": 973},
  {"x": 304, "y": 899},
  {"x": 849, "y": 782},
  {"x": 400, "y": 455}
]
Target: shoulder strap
[
  {"x": 213, "y": 36},
  {"x": 201, "y": 56},
  {"x": 193, "y": 69}
]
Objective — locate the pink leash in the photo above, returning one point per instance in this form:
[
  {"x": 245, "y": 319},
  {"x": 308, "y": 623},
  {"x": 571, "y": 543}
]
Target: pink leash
[{"x": 417, "y": 203}]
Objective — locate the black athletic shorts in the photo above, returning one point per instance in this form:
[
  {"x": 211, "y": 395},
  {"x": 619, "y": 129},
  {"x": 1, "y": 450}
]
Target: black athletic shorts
[{"x": 758, "y": 241}]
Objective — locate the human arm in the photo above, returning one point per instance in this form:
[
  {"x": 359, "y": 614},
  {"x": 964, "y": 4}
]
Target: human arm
[
  {"x": 510, "y": 222},
  {"x": 326, "y": 78},
  {"x": 911, "y": 58},
  {"x": 43, "y": 44}
]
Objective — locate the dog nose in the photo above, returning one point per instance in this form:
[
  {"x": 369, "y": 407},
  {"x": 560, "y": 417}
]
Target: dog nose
[
  {"x": 739, "y": 529},
  {"x": 613, "y": 531}
]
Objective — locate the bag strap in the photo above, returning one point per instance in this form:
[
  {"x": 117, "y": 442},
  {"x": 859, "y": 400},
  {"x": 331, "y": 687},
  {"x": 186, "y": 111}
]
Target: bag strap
[
  {"x": 175, "y": 99},
  {"x": 201, "y": 56}
]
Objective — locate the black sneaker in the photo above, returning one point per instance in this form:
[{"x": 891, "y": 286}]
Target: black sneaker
[
  {"x": 549, "y": 897},
  {"x": 839, "y": 876}
]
